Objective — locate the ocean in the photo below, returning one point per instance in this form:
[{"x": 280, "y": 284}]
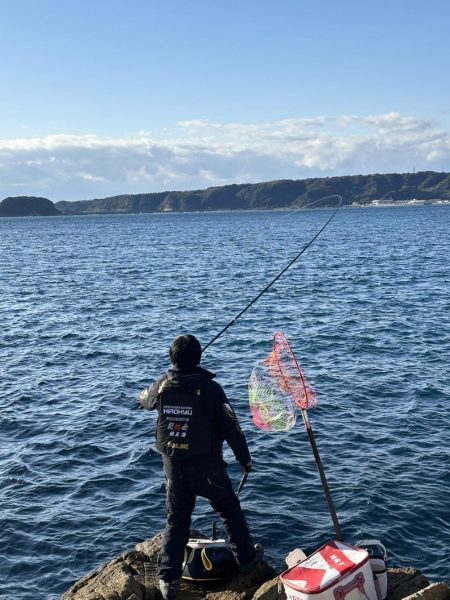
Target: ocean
[{"x": 89, "y": 307}]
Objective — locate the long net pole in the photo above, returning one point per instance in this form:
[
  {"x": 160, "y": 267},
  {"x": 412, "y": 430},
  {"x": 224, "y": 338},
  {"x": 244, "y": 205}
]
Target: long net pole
[
  {"x": 303, "y": 408},
  {"x": 323, "y": 479}
]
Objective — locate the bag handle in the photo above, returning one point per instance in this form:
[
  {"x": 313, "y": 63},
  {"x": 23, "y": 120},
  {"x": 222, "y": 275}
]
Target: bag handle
[{"x": 358, "y": 582}]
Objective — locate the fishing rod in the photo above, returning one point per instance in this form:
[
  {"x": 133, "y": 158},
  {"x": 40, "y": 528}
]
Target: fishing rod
[
  {"x": 240, "y": 486},
  {"x": 275, "y": 279}
]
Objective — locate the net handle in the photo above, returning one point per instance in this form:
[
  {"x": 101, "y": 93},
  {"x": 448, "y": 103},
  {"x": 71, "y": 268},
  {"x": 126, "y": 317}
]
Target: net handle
[
  {"x": 309, "y": 431},
  {"x": 323, "y": 479}
]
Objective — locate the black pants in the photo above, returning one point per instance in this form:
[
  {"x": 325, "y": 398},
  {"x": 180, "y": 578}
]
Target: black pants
[{"x": 183, "y": 484}]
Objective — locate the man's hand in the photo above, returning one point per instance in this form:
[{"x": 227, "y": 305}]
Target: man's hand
[
  {"x": 247, "y": 468},
  {"x": 143, "y": 396}
]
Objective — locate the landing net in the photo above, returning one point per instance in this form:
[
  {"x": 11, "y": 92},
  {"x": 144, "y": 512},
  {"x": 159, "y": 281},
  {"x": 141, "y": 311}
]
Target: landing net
[
  {"x": 271, "y": 408},
  {"x": 278, "y": 387},
  {"x": 287, "y": 374}
]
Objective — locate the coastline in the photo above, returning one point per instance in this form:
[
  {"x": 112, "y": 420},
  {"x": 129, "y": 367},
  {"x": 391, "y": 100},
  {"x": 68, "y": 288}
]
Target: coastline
[{"x": 353, "y": 206}]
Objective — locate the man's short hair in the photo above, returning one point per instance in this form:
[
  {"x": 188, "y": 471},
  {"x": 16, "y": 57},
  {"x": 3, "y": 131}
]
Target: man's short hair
[{"x": 185, "y": 352}]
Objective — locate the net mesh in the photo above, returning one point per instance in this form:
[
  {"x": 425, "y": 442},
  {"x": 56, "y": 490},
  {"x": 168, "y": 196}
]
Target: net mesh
[
  {"x": 278, "y": 387},
  {"x": 271, "y": 408},
  {"x": 286, "y": 371}
]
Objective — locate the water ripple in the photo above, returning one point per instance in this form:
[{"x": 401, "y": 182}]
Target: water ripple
[{"x": 367, "y": 310}]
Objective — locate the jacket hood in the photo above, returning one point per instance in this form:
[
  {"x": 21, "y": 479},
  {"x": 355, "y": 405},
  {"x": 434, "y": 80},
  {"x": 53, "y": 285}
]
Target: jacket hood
[{"x": 190, "y": 379}]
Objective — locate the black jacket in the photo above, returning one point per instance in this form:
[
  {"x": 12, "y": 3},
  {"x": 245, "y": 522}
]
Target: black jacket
[{"x": 193, "y": 407}]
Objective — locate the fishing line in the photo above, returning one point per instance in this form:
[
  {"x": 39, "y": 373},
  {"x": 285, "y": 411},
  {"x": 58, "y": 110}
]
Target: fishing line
[{"x": 280, "y": 274}]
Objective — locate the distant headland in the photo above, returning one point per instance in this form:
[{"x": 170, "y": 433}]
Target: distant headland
[
  {"x": 356, "y": 190},
  {"x": 27, "y": 206}
]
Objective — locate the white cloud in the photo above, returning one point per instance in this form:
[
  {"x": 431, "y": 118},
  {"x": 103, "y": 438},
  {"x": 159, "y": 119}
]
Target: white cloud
[{"x": 199, "y": 154}]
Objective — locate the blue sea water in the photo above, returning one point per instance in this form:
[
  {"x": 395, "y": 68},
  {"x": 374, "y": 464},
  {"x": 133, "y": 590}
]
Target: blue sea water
[{"x": 89, "y": 306}]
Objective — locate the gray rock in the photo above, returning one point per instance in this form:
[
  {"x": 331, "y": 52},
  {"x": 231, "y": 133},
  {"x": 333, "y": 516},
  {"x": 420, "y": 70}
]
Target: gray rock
[
  {"x": 271, "y": 590},
  {"x": 404, "y": 582},
  {"x": 435, "y": 591},
  {"x": 133, "y": 576}
]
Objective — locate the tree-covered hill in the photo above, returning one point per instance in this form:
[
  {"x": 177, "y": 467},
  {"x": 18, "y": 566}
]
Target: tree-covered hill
[
  {"x": 274, "y": 194},
  {"x": 27, "y": 206},
  {"x": 285, "y": 193}
]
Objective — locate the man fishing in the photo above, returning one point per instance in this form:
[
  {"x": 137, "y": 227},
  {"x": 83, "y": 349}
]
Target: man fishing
[{"x": 194, "y": 419}]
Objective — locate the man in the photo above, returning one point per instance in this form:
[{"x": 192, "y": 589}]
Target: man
[{"x": 194, "y": 419}]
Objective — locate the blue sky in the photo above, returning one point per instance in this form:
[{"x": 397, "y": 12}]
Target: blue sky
[{"x": 107, "y": 97}]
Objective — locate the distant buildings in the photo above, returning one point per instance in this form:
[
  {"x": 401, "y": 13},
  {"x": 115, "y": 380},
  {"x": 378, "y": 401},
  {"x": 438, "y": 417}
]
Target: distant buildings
[{"x": 390, "y": 202}]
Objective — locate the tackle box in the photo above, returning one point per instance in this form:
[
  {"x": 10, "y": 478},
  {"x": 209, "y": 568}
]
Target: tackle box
[{"x": 337, "y": 571}]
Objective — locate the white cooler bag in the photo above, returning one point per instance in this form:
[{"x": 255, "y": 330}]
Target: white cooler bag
[
  {"x": 378, "y": 563},
  {"x": 337, "y": 571}
]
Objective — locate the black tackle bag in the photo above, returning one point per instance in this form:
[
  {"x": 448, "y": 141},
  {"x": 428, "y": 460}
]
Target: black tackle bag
[{"x": 208, "y": 561}]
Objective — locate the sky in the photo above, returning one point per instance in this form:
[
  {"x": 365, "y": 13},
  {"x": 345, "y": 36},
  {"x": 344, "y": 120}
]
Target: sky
[{"x": 107, "y": 97}]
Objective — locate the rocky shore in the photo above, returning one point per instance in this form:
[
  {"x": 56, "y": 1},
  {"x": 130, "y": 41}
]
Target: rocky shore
[{"x": 132, "y": 576}]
